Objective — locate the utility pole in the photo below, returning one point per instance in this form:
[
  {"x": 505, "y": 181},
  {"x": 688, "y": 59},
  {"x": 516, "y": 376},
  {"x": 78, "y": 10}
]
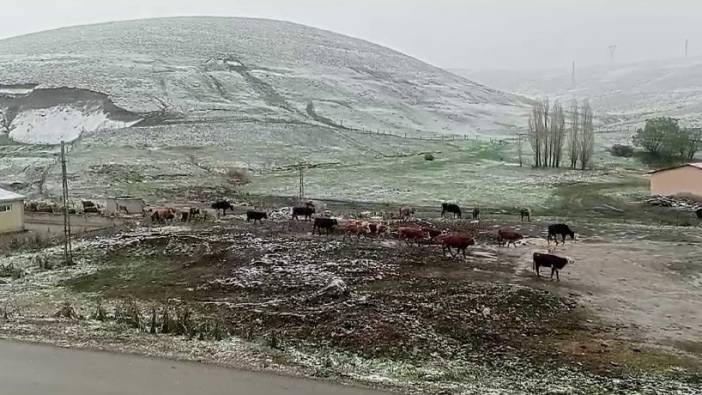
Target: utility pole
[
  {"x": 572, "y": 77},
  {"x": 612, "y": 50},
  {"x": 686, "y": 42},
  {"x": 67, "y": 248},
  {"x": 519, "y": 149},
  {"x": 302, "y": 182}
]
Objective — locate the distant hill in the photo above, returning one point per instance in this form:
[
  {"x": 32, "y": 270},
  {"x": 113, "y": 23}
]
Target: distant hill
[
  {"x": 227, "y": 70},
  {"x": 627, "y": 93}
]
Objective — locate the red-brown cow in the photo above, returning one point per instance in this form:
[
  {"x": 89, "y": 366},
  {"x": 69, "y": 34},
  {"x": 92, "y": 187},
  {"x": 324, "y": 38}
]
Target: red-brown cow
[
  {"x": 508, "y": 236},
  {"x": 412, "y": 234},
  {"x": 375, "y": 229},
  {"x": 459, "y": 241},
  {"x": 163, "y": 214},
  {"x": 355, "y": 228}
]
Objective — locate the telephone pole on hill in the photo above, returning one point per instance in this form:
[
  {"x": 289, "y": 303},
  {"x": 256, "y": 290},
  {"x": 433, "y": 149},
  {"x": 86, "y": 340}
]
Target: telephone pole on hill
[
  {"x": 302, "y": 182},
  {"x": 686, "y": 42},
  {"x": 572, "y": 77},
  {"x": 67, "y": 248}
]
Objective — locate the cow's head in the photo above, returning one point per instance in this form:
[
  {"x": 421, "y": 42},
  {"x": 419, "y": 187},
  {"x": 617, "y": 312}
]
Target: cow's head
[
  {"x": 572, "y": 235},
  {"x": 570, "y": 260}
]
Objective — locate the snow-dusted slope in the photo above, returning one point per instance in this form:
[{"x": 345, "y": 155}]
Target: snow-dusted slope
[
  {"x": 202, "y": 69},
  {"x": 628, "y": 93}
]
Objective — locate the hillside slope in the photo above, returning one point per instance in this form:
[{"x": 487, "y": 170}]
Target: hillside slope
[
  {"x": 205, "y": 69},
  {"x": 627, "y": 92}
]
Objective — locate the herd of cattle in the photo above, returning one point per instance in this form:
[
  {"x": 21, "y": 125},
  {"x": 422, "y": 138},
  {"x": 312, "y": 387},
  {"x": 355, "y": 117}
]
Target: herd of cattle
[
  {"x": 407, "y": 231},
  {"x": 410, "y": 233}
]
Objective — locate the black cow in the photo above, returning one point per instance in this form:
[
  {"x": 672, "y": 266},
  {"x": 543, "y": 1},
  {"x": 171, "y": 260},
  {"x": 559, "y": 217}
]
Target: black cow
[
  {"x": 451, "y": 208},
  {"x": 525, "y": 213},
  {"x": 303, "y": 211},
  {"x": 559, "y": 229},
  {"x": 555, "y": 262},
  {"x": 698, "y": 212},
  {"x": 324, "y": 223},
  {"x": 222, "y": 205},
  {"x": 255, "y": 216},
  {"x": 476, "y": 213}
]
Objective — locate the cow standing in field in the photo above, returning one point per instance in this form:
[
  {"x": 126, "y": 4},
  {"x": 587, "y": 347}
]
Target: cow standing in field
[
  {"x": 459, "y": 241},
  {"x": 306, "y": 212},
  {"x": 377, "y": 230},
  {"x": 698, "y": 213},
  {"x": 411, "y": 234},
  {"x": 406, "y": 213},
  {"x": 476, "y": 213},
  {"x": 525, "y": 213},
  {"x": 555, "y": 262},
  {"x": 324, "y": 223},
  {"x": 256, "y": 216},
  {"x": 162, "y": 215},
  {"x": 508, "y": 236},
  {"x": 562, "y": 230},
  {"x": 451, "y": 208},
  {"x": 432, "y": 233},
  {"x": 223, "y": 205},
  {"x": 355, "y": 228}
]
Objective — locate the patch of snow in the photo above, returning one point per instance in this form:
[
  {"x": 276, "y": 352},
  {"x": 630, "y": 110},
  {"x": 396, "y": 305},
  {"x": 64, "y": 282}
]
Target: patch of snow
[{"x": 60, "y": 123}]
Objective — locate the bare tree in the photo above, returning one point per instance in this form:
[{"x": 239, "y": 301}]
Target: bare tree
[
  {"x": 537, "y": 131},
  {"x": 587, "y": 139},
  {"x": 574, "y": 136},
  {"x": 557, "y": 135},
  {"x": 4, "y": 121},
  {"x": 519, "y": 150}
]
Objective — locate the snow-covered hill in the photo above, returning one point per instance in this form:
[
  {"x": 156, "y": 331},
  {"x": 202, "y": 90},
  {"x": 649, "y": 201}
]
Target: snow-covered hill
[
  {"x": 204, "y": 69},
  {"x": 628, "y": 93}
]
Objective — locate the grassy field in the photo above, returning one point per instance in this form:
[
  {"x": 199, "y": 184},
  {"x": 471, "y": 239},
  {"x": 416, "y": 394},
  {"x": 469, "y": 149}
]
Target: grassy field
[{"x": 189, "y": 163}]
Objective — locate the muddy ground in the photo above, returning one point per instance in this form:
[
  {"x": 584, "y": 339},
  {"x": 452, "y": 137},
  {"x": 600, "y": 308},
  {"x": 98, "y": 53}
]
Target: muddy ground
[{"x": 625, "y": 317}]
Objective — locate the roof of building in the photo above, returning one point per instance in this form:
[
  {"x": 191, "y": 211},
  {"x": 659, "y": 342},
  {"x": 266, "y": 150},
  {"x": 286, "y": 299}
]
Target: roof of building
[
  {"x": 697, "y": 165},
  {"x": 7, "y": 196}
]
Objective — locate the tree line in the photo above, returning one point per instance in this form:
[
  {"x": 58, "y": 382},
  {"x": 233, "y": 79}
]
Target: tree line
[{"x": 550, "y": 131}]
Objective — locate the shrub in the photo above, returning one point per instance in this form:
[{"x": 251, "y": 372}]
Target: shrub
[
  {"x": 239, "y": 175},
  {"x": 428, "y": 157},
  {"x": 622, "y": 150}
]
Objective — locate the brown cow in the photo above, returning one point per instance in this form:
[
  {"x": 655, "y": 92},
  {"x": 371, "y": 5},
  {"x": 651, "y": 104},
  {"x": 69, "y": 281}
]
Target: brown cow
[
  {"x": 410, "y": 234},
  {"x": 355, "y": 228},
  {"x": 555, "y": 262},
  {"x": 162, "y": 215},
  {"x": 459, "y": 241},
  {"x": 508, "y": 236},
  {"x": 376, "y": 229}
]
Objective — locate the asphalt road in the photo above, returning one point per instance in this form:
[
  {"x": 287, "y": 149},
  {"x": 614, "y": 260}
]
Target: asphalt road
[{"x": 28, "y": 369}]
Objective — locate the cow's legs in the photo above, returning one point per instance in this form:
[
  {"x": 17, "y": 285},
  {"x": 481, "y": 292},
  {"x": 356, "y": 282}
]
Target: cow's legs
[
  {"x": 464, "y": 253},
  {"x": 537, "y": 269},
  {"x": 557, "y": 278}
]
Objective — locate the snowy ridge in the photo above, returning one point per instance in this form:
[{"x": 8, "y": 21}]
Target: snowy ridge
[
  {"x": 627, "y": 92},
  {"x": 213, "y": 69}
]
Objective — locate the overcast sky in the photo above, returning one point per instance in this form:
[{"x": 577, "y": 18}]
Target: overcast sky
[{"x": 473, "y": 34}]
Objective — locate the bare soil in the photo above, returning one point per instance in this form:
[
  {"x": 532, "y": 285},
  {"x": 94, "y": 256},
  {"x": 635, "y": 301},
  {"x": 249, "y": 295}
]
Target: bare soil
[{"x": 624, "y": 311}]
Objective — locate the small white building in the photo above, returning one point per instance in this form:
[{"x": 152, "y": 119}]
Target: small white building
[{"x": 11, "y": 212}]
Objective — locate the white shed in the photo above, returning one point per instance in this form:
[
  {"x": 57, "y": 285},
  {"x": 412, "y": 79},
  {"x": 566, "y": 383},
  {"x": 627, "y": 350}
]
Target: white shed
[{"x": 11, "y": 212}]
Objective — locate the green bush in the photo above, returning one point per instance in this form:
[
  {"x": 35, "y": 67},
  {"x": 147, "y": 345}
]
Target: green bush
[{"x": 622, "y": 150}]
